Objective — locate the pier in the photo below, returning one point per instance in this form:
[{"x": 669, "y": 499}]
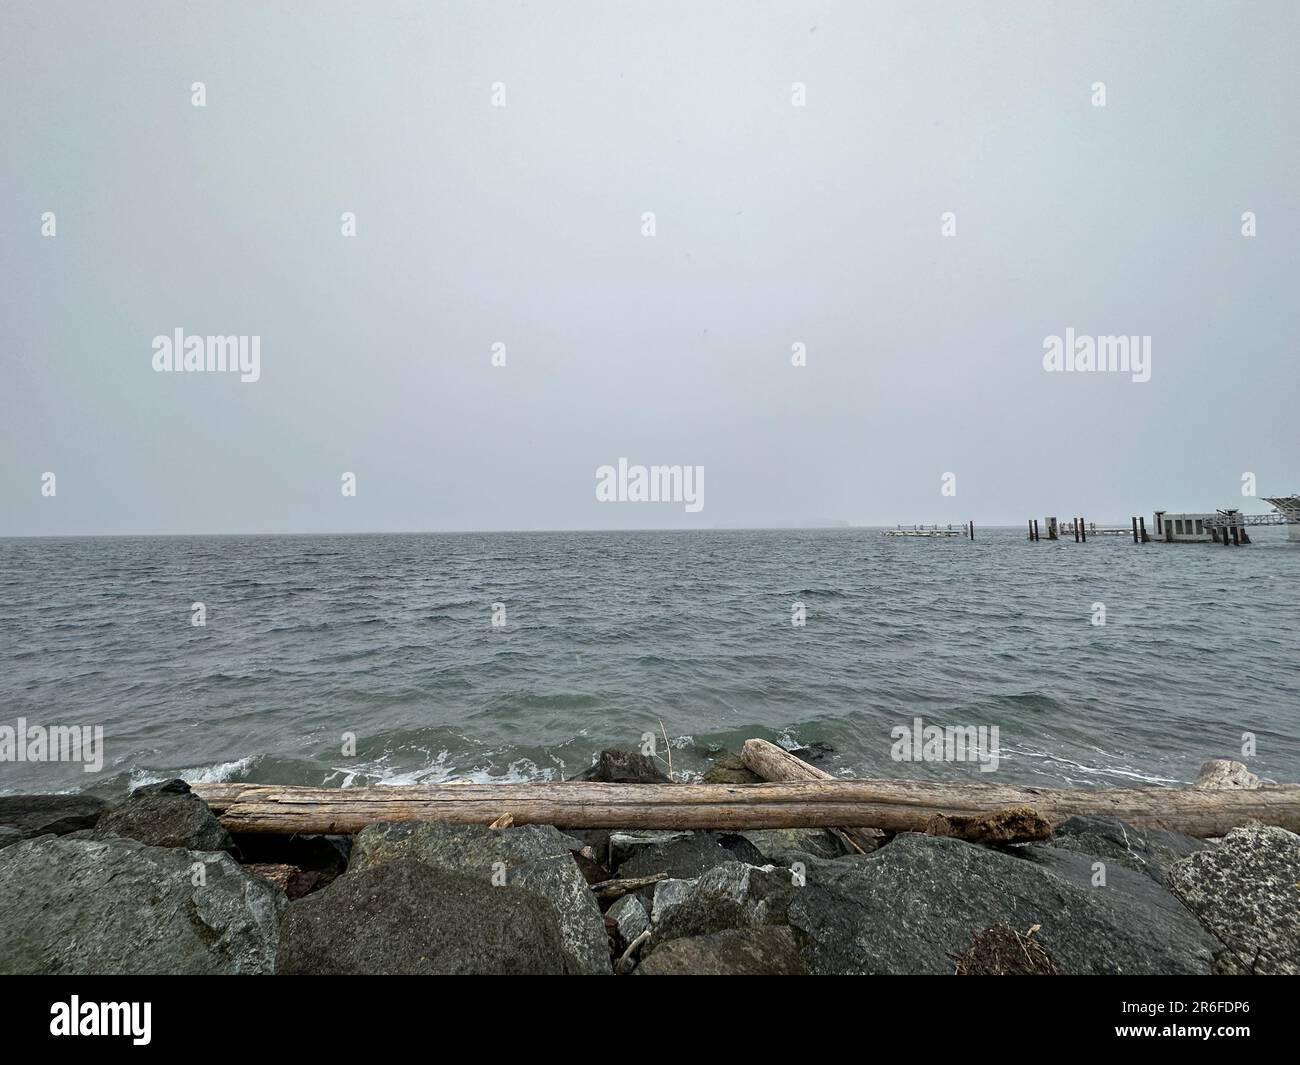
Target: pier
[
  {"x": 935, "y": 531},
  {"x": 1227, "y": 526}
]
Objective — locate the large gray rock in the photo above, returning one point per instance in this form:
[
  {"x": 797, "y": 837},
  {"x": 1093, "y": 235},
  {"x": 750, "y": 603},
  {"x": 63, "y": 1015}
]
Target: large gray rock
[
  {"x": 688, "y": 856},
  {"x": 735, "y": 895},
  {"x": 83, "y": 907},
  {"x": 783, "y": 845},
  {"x": 1246, "y": 891},
  {"x": 1120, "y": 882},
  {"x": 28, "y": 816},
  {"x": 1115, "y": 842},
  {"x": 630, "y": 915},
  {"x": 920, "y": 901},
  {"x": 665, "y": 896},
  {"x": 622, "y": 846},
  {"x": 537, "y": 858},
  {"x": 770, "y": 951},
  {"x": 165, "y": 815},
  {"x": 408, "y": 917}
]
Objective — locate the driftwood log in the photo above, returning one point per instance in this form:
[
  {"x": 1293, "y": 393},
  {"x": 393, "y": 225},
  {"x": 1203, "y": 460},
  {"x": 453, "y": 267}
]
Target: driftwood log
[
  {"x": 774, "y": 763},
  {"x": 891, "y": 805}
]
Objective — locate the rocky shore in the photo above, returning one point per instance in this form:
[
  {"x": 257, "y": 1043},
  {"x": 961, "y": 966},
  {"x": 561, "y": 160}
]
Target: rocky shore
[{"x": 155, "y": 884}]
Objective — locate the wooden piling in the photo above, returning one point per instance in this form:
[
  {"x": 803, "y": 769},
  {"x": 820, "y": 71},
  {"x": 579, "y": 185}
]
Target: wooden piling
[
  {"x": 1142, "y": 528},
  {"x": 1083, "y": 531},
  {"x": 1135, "y": 530}
]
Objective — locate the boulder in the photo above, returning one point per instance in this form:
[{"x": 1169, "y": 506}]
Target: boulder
[
  {"x": 406, "y": 916},
  {"x": 165, "y": 815},
  {"x": 918, "y": 903},
  {"x": 734, "y": 895},
  {"x": 28, "y": 816},
  {"x": 118, "y": 907},
  {"x": 537, "y": 858},
  {"x": 729, "y": 768},
  {"x": 665, "y": 896},
  {"x": 783, "y": 845},
  {"x": 771, "y": 951},
  {"x": 1223, "y": 774},
  {"x": 1120, "y": 882},
  {"x": 624, "y": 767},
  {"x": 1246, "y": 891},
  {"x": 621, "y": 846},
  {"x": 1108, "y": 839},
  {"x": 688, "y": 856},
  {"x": 629, "y": 916}
]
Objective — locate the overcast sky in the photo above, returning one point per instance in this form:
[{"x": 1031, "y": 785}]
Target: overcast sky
[{"x": 775, "y": 224}]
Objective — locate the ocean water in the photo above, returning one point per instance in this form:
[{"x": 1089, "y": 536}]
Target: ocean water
[{"x": 610, "y": 635}]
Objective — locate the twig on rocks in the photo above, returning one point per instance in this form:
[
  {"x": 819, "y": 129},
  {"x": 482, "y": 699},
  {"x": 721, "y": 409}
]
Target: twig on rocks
[{"x": 625, "y": 962}]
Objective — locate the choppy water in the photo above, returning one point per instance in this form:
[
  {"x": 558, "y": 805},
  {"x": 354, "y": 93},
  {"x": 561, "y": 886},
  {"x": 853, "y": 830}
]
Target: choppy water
[{"x": 609, "y": 634}]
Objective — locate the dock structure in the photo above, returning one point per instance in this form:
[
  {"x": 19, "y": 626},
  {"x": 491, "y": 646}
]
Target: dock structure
[
  {"x": 935, "y": 531},
  {"x": 1227, "y": 526},
  {"x": 1287, "y": 513}
]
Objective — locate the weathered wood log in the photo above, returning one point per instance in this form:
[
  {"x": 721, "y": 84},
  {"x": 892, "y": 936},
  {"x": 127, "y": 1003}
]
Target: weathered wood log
[
  {"x": 891, "y": 805},
  {"x": 616, "y": 889},
  {"x": 774, "y": 763}
]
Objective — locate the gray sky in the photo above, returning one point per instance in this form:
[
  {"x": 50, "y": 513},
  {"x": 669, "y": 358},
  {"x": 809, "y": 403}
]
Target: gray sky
[{"x": 522, "y": 224}]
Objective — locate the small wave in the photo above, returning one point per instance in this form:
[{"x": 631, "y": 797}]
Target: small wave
[{"x": 217, "y": 773}]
